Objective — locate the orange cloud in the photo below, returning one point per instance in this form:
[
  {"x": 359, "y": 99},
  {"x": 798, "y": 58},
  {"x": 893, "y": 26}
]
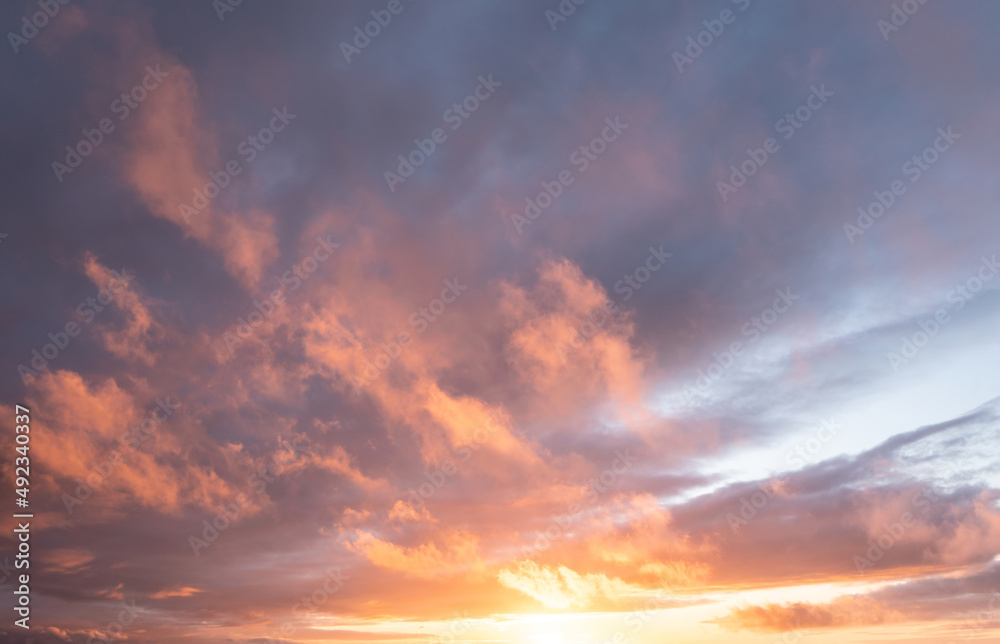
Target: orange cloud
[
  {"x": 404, "y": 512},
  {"x": 459, "y": 554},
  {"x": 86, "y": 458},
  {"x": 132, "y": 342},
  {"x": 840, "y": 613},
  {"x": 170, "y": 156},
  {"x": 186, "y": 591},
  {"x": 67, "y": 559},
  {"x": 565, "y": 343}
]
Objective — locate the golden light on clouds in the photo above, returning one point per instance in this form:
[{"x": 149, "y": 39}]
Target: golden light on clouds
[{"x": 550, "y": 323}]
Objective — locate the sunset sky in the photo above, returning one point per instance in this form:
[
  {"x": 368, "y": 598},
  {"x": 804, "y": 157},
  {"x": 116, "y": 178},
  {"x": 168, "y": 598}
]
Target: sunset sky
[{"x": 534, "y": 322}]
